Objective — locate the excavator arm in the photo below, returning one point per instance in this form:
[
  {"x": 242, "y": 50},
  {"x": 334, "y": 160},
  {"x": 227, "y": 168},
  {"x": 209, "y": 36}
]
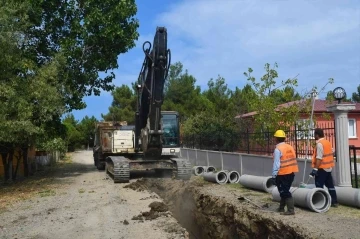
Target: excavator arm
[{"x": 150, "y": 92}]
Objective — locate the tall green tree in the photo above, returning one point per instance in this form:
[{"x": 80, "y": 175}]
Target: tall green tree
[
  {"x": 123, "y": 106},
  {"x": 268, "y": 115},
  {"x": 90, "y": 34},
  {"x": 86, "y": 127},
  {"x": 181, "y": 94}
]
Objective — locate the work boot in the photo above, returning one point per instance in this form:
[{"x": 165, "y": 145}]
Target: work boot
[
  {"x": 290, "y": 207},
  {"x": 282, "y": 205}
]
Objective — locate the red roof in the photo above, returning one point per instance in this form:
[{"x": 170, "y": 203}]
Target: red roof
[{"x": 319, "y": 107}]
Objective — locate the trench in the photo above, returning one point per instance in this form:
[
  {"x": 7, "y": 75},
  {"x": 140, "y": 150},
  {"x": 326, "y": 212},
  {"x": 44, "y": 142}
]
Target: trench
[{"x": 206, "y": 216}]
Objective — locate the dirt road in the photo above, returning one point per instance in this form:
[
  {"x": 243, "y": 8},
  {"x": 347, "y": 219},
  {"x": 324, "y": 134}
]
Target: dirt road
[{"x": 87, "y": 205}]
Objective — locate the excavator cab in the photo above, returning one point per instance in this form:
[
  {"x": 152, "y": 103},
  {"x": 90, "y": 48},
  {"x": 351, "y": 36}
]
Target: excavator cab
[{"x": 171, "y": 133}]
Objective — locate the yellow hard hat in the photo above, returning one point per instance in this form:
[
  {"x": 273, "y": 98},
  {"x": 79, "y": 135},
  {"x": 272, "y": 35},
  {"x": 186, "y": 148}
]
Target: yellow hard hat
[{"x": 280, "y": 134}]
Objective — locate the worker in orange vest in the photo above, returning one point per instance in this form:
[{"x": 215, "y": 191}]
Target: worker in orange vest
[
  {"x": 284, "y": 168},
  {"x": 322, "y": 164}
]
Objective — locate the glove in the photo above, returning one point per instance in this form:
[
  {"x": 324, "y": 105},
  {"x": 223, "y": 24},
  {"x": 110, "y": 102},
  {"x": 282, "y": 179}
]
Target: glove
[
  {"x": 273, "y": 180},
  {"x": 314, "y": 172}
]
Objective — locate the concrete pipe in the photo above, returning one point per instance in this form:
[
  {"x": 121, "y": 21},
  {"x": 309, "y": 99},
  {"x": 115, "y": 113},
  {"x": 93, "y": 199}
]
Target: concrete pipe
[
  {"x": 210, "y": 169},
  {"x": 345, "y": 195},
  {"x": 233, "y": 176},
  {"x": 220, "y": 177},
  {"x": 315, "y": 199},
  {"x": 198, "y": 170},
  {"x": 256, "y": 182}
]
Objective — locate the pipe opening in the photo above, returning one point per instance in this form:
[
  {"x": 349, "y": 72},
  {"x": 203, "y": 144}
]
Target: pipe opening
[
  {"x": 221, "y": 177},
  {"x": 199, "y": 170},
  {"x": 319, "y": 200},
  {"x": 233, "y": 177},
  {"x": 211, "y": 169}
]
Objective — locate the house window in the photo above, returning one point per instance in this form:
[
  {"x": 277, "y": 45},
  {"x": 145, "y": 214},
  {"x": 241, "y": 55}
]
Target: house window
[
  {"x": 352, "y": 128},
  {"x": 304, "y": 129}
]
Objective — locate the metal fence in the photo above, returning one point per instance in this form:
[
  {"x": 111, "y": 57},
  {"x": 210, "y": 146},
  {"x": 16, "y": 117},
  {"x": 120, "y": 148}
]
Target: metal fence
[
  {"x": 261, "y": 143},
  {"x": 354, "y": 166}
]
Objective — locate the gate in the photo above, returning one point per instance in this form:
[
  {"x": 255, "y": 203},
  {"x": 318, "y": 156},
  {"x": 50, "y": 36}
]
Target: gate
[{"x": 354, "y": 166}]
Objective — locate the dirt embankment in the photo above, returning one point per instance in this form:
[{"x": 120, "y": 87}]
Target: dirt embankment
[{"x": 209, "y": 210}]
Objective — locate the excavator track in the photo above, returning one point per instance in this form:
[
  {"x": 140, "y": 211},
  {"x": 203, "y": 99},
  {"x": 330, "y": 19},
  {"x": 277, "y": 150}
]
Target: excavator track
[
  {"x": 183, "y": 168},
  {"x": 118, "y": 168}
]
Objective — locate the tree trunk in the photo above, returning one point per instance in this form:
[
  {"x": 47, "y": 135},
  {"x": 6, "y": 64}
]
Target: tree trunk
[
  {"x": 17, "y": 164},
  {"x": 10, "y": 164},
  {"x": 4, "y": 156},
  {"x": 25, "y": 161}
]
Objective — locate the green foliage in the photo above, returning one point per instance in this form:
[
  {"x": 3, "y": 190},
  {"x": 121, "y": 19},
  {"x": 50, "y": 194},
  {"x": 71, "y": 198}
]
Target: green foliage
[
  {"x": 269, "y": 116},
  {"x": 86, "y": 127},
  {"x": 90, "y": 34},
  {"x": 356, "y": 95},
  {"x": 123, "y": 106},
  {"x": 208, "y": 131},
  {"x": 56, "y": 144},
  {"x": 182, "y": 95}
]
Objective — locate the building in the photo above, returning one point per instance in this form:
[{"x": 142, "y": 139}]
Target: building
[{"x": 323, "y": 119}]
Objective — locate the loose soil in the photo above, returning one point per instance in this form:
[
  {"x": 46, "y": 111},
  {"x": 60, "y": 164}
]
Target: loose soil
[
  {"x": 210, "y": 210},
  {"x": 77, "y": 201}
]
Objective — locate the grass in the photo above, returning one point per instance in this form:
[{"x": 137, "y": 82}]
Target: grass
[
  {"x": 47, "y": 193},
  {"x": 81, "y": 190},
  {"x": 41, "y": 184}
]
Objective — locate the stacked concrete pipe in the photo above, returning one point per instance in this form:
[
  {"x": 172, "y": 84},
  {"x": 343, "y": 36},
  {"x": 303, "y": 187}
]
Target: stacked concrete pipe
[
  {"x": 257, "y": 182},
  {"x": 233, "y": 176},
  {"x": 220, "y": 177},
  {"x": 198, "y": 170},
  {"x": 345, "y": 195},
  {"x": 210, "y": 169},
  {"x": 315, "y": 199}
]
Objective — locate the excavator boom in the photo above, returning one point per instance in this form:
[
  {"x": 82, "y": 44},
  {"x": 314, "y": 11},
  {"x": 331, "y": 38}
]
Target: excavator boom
[
  {"x": 150, "y": 87},
  {"x": 149, "y": 131}
]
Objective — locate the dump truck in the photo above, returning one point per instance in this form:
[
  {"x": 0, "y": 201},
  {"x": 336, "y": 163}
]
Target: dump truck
[{"x": 117, "y": 138}]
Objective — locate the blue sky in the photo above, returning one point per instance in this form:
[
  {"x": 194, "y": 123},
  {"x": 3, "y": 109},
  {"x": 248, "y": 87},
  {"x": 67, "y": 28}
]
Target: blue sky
[{"x": 315, "y": 39}]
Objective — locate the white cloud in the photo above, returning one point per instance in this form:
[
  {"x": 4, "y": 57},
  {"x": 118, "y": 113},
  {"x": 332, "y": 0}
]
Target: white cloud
[{"x": 318, "y": 39}]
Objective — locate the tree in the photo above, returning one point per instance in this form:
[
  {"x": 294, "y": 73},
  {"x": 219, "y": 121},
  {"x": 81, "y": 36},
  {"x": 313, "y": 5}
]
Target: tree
[
  {"x": 86, "y": 128},
  {"x": 356, "y": 95},
  {"x": 268, "y": 116},
  {"x": 240, "y": 100},
  {"x": 73, "y": 136},
  {"x": 90, "y": 34},
  {"x": 123, "y": 106},
  {"x": 181, "y": 94}
]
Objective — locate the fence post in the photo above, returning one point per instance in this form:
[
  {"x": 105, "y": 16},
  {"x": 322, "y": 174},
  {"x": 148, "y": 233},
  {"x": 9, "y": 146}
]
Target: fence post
[
  {"x": 248, "y": 141},
  {"x": 222, "y": 160},
  {"x": 241, "y": 167},
  {"x": 296, "y": 142},
  {"x": 196, "y": 155},
  {"x": 355, "y": 166},
  {"x": 207, "y": 158}
]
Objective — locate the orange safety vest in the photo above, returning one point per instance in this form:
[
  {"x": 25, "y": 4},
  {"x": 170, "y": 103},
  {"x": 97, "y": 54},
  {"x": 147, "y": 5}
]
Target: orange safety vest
[
  {"x": 328, "y": 156},
  {"x": 288, "y": 163}
]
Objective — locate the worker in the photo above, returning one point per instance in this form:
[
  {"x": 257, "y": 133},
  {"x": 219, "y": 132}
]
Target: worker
[
  {"x": 322, "y": 164},
  {"x": 284, "y": 168}
]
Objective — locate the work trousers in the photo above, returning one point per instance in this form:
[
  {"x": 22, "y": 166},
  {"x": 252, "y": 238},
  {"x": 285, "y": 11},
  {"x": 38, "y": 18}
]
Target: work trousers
[
  {"x": 283, "y": 183},
  {"x": 324, "y": 177}
]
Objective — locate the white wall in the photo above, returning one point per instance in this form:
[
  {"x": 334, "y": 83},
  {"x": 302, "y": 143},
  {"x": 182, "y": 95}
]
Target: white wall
[{"x": 244, "y": 163}]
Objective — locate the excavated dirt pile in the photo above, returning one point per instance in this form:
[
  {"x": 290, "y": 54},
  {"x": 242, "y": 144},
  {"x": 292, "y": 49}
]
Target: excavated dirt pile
[
  {"x": 158, "y": 209},
  {"x": 208, "y": 216}
]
